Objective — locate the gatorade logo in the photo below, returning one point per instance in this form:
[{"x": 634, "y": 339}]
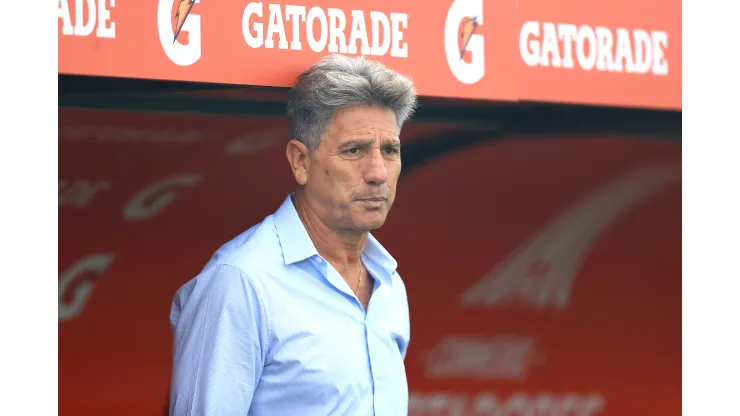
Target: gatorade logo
[
  {"x": 175, "y": 21},
  {"x": 463, "y": 43}
]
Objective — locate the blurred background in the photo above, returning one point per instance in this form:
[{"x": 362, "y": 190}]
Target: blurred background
[{"x": 538, "y": 219}]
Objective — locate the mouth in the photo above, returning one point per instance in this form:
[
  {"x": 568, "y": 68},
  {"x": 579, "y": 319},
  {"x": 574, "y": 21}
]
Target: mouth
[{"x": 378, "y": 199}]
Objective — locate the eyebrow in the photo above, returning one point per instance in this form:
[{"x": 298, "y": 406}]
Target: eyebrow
[
  {"x": 395, "y": 142},
  {"x": 366, "y": 142},
  {"x": 355, "y": 143}
]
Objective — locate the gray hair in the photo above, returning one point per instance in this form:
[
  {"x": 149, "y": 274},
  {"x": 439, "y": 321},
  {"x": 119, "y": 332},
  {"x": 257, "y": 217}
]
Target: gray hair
[{"x": 339, "y": 81}]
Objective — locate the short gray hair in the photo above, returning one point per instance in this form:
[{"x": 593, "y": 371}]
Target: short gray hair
[{"x": 339, "y": 81}]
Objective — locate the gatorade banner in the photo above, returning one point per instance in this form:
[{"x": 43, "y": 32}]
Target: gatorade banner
[
  {"x": 625, "y": 53},
  {"x": 621, "y": 54},
  {"x": 543, "y": 275}
]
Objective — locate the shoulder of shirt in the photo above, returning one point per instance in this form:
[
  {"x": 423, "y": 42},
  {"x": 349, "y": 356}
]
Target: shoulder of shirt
[
  {"x": 252, "y": 252},
  {"x": 398, "y": 284}
]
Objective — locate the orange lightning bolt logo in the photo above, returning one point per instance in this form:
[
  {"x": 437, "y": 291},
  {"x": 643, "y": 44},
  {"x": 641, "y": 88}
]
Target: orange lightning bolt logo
[
  {"x": 467, "y": 29},
  {"x": 183, "y": 10}
]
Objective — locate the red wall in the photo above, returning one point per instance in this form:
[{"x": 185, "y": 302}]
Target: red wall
[{"x": 543, "y": 273}]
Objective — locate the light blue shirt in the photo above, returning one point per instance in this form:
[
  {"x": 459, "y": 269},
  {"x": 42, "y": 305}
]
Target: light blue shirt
[{"x": 270, "y": 328}]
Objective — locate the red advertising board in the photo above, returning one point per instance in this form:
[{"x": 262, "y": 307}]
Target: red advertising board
[
  {"x": 624, "y": 54},
  {"x": 546, "y": 280},
  {"x": 619, "y": 53}
]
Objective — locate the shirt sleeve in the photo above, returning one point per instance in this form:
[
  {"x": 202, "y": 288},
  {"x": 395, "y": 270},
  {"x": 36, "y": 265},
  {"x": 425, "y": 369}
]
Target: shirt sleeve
[{"x": 220, "y": 334}]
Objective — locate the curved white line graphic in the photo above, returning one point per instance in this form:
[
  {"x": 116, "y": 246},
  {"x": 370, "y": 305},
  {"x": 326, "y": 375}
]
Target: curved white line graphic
[{"x": 541, "y": 272}]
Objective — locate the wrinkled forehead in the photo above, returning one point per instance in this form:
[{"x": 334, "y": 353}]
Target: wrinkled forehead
[
  {"x": 371, "y": 132},
  {"x": 367, "y": 121}
]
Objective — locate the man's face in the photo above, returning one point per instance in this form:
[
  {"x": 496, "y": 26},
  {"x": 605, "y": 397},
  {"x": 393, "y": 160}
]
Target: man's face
[{"x": 352, "y": 176}]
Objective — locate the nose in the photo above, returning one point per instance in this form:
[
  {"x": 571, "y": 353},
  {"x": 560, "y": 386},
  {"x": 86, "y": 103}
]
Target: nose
[{"x": 376, "y": 172}]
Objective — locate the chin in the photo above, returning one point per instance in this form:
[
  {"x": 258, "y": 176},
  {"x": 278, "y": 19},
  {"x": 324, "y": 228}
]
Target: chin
[{"x": 369, "y": 224}]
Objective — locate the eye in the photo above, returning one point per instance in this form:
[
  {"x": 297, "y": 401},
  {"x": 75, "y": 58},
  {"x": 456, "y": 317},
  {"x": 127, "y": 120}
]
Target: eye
[
  {"x": 390, "y": 150},
  {"x": 354, "y": 150}
]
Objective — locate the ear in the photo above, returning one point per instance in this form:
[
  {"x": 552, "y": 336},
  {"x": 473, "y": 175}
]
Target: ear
[{"x": 298, "y": 156}]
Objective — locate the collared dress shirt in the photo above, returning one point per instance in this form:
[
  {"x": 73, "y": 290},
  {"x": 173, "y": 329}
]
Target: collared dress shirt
[{"x": 269, "y": 327}]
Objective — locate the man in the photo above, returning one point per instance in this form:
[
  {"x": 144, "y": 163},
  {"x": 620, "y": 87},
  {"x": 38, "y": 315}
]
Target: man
[{"x": 304, "y": 313}]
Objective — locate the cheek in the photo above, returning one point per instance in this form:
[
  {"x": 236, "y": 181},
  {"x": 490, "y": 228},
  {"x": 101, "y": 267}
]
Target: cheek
[
  {"x": 330, "y": 176},
  {"x": 392, "y": 182},
  {"x": 394, "y": 172},
  {"x": 322, "y": 178},
  {"x": 337, "y": 178}
]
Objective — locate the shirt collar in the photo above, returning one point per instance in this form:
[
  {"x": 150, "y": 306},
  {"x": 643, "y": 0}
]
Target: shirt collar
[
  {"x": 294, "y": 239},
  {"x": 297, "y": 244}
]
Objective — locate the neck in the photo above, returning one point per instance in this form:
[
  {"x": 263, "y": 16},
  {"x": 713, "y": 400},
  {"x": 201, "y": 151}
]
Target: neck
[{"x": 342, "y": 248}]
